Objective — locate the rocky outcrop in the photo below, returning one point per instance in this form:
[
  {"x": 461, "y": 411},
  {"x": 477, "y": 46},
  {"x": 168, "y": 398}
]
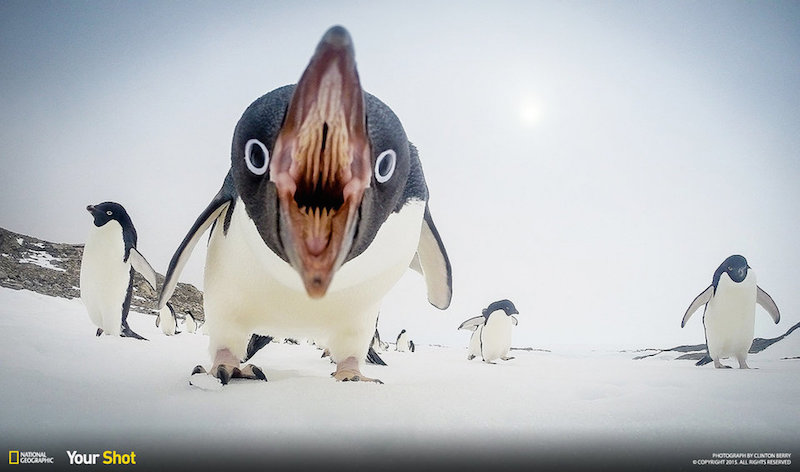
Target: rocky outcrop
[
  {"x": 28, "y": 263},
  {"x": 699, "y": 352}
]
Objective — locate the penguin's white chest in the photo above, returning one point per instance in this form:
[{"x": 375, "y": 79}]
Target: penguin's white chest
[
  {"x": 475, "y": 342},
  {"x": 105, "y": 277},
  {"x": 167, "y": 321},
  {"x": 496, "y": 336},
  {"x": 249, "y": 289},
  {"x": 402, "y": 343},
  {"x": 730, "y": 317}
]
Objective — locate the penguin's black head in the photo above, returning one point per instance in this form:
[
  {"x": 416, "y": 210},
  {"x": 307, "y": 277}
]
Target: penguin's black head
[
  {"x": 107, "y": 211},
  {"x": 735, "y": 266},
  {"x": 505, "y": 305},
  {"x": 320, "y": 165}
]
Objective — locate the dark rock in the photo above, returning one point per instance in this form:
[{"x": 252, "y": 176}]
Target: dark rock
[{"x": 699, "y": 352}]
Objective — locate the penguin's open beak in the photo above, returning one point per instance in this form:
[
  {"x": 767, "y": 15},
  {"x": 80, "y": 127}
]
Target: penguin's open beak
[{"x": 321, "y": 163}]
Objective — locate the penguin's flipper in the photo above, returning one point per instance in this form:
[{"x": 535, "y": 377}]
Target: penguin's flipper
[
  {"x": 140, "y": 265},
  {"x": 220, "y": 203},
  {"x": 257, "y": 341},
  {"x": 699, "y": 300},
  {"x": 514, "y": 320},
  {"x": 763, "y": 299},
  {"x": 432, "y": 262},
  {"x": 374, "y": 358},
  {"x": 473, "y": 323}
]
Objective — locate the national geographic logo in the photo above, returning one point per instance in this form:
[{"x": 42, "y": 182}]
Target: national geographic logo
[{"x": 28, "y": 457}]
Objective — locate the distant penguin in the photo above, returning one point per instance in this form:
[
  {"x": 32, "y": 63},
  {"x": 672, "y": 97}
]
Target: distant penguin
[
  {"x": 403, "y": 342},
  {"x": 377, "y": 344},
  {"x": 491, "y": 337},
  {"x": 167, "y": 321},
  {"x": 729, "y": 315},
  {"x": 109, "y": 259},
  {"x": 190, "y": 322}
]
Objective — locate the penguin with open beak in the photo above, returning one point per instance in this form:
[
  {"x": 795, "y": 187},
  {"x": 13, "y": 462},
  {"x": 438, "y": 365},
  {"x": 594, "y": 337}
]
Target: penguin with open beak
[{"x": 324, "y": 208}]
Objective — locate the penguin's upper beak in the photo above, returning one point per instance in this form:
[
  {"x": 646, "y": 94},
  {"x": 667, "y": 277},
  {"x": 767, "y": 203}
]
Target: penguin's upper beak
[
  {"x": 90, "y": 208},
  {"x": 321, "y": 162}
]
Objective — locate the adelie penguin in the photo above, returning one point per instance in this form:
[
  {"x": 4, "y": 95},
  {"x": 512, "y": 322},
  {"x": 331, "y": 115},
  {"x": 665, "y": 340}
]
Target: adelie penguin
[
  {"x": 167, "y": 321},
  {"x": 109, "y": 259},
  {"x": 729, "y": 315},
  {"x": 491, "y": 331},
  {"x": 404, "y": 342},
  {"x": 324, "y": 208},
  {"x": 190, "y": 322}
]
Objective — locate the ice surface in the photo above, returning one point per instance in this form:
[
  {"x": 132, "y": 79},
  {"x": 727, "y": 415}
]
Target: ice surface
[{"x": 66, "y": 387}]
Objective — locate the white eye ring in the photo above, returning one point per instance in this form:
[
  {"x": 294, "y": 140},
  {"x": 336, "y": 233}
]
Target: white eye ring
[
  {"x": 109, "y": 212},
  {"x": 248, "y": 158},
  {"x": 386, "y": 174}
]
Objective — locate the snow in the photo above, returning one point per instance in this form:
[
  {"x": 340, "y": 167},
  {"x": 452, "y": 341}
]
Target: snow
[
  {"x": 41, "y": 259},
  {"x": 66, "y": 389}
]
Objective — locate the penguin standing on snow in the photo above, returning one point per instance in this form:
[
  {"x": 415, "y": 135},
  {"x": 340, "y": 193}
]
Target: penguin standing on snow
[
  {"x": 491, "y": 337},
  {"x": 109, "y": 259},
  {"x": 324, "y": 208},
  {"x": 191, "y": 322},
  {"x": 730, "y": 306},
  {"x": 167, "y": 320},
  {"x": 403, "y": 342}
]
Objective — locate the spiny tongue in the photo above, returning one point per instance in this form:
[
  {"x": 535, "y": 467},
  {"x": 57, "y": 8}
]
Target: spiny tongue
[{"x": 318, "y": 230}]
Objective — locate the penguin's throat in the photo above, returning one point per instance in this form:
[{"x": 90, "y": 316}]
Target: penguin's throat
[{"x": 321, "y": 165}]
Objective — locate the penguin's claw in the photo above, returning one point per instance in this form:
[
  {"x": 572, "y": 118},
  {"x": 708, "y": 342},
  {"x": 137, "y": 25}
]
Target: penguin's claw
[{"x": 226, "y": 372}]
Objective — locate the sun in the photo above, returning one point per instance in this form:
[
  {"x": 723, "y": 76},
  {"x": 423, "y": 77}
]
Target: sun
[{"x": 531, "y": 112}]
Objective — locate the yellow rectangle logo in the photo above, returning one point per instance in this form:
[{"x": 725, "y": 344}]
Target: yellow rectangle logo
[{"x": 13, "y": 457}]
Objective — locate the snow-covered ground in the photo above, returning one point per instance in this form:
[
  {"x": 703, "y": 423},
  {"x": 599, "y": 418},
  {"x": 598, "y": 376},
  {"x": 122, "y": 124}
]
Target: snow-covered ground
[{"x": 65, "y": 389}]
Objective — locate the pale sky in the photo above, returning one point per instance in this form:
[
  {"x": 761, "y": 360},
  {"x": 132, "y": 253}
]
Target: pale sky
[{"x": 593, "y": 161}]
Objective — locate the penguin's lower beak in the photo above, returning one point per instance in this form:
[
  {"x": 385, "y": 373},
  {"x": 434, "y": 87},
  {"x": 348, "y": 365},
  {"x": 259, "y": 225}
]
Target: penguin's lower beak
[
  {"x": 321, "y": 163},
  {"x": 90, "y": 208}
]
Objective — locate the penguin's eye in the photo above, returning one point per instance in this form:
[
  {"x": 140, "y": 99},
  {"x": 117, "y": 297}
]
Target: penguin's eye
[
  {"x": 256, "y": 157},
  {"x": 384, "y": 165},
  {"x": 109, "y": 212}
]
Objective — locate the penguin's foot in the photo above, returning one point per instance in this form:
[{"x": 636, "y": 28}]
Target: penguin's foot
[
  {"x": 470, "y": 357},
  {"x": 720, "y": 365},
  {"x": 226, "y": 367},
  {"x": 226, "y": 372},
  {"x": 99, "y": 332},
  {"x": 127, "y": 332},
  {"x": 348, "y": 371},
  {"x": 507, "y": 358}
]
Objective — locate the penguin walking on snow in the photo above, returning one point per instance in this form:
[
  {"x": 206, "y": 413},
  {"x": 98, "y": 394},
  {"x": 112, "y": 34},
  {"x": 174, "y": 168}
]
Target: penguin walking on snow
[
  {"x": 491, "y": 337},
  {"x": 729, "y": 315},
  {"x": 324, "y": 208},
  {"x": 109, "y": 259},
  {"x": 167, "y": 320}
]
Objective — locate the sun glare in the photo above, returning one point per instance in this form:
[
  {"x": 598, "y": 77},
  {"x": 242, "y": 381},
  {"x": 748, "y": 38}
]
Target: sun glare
[{"x": 530, "y": 113}]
